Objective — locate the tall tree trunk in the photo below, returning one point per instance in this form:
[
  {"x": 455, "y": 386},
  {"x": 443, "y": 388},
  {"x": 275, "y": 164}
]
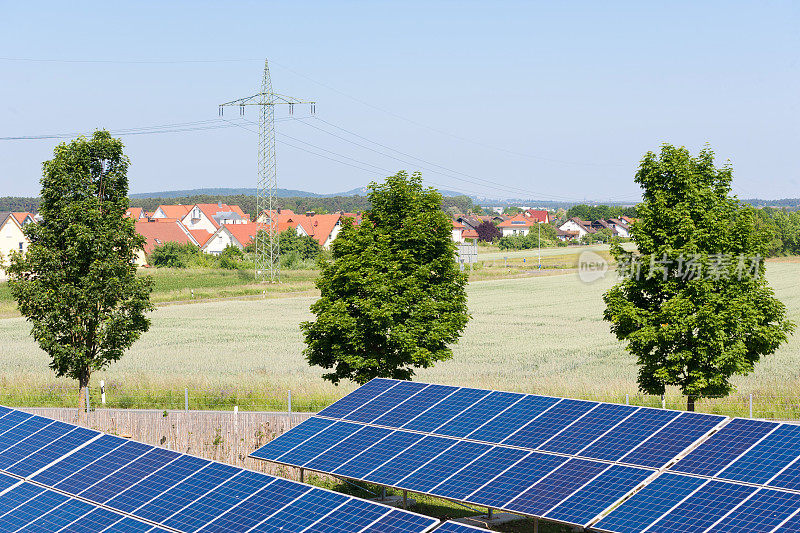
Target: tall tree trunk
[
  {"x": 690, "y": 403},
  {"x": 83, "y": 387}
]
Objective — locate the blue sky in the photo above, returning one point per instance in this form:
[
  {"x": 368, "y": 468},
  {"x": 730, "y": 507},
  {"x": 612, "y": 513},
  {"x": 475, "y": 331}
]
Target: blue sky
[{"x": 553, "y": 100}]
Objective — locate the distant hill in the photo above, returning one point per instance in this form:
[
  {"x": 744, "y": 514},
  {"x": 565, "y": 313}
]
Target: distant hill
[{"x": 282, "y": 193}]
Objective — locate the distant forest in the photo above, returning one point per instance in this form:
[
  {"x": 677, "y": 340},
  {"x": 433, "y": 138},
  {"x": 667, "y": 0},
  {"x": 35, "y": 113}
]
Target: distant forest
[{"x": 299, "y": 204}]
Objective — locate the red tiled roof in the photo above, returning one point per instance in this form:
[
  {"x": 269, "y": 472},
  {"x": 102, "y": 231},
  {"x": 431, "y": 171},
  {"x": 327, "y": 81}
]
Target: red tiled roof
[
  {"x": 457, "y": 225},
  {"x": 539, "y": 215},
  {"x": 200, "y": 235},
  {"x": 175, "y": 211},
  {"x": 158, "y": 231},
  {"x": 20, "y": 216},
  {"x": 516, "y": 222},
  {"x": 134, "y": 212},
  {"x": 469, "y": 234},
  {"x": 244, "y": 233}
]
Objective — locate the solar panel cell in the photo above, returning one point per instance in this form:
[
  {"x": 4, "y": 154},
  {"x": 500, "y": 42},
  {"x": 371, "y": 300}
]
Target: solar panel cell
[
  {"x": 129, "y": 474},
  {"x": 214, "y": 503},
  {"x": 579, "y": 434},
  {"x": 303, "y": 512},
  {"x": 628, "y": 434},
  {"x": 422, "y": 401},
  {"x": 400, "y": 522},
  {"x": 22, "y": 430},
  {"x": 157, "y": 483},
  {"x": 767, "y": 458},
  {"x": 507, "y": 422},
  {"x": 282, "y": 444},
  {"x": 644, "y": 507},
  {"x": 409, "y": 460},
  {"x": 33, "y": 443},
  {"x": 704, "y": 507},
  {"x": 97, "y": 520},
  {"x": 789, "y": 478},
  {"x": 59, "y": 517},
  {"x": 352, "y": 517},
  {"x": 549, "y": 423},
  {"x": 52, "y": 451},
  {"x": 81, "y": 458},
  {"x": 508, "y": 485},
  {"x": 104, "y": 466},
  {"x": 252, "y": 511},
  {"x": 357, "y": 398},
  {"x": 479, "y": 472},
  {"x": 18, "y": 495},
  {"x": 764, "y": 511},
  {"x": 555, "y": 486},
  {"x": 365, "y": 462},
  {"x": 348, "y": 448},
  {"x": 440, "y": 413},
  {"x": 320, "y": 443},
  {"x": 477, "y": 415},
  {"x": 28, "y": 511},
  {"x": 379, "y": 405},
  {"x": 598, "y": 495},
  {"x": 724, "y": 447},
  {"x": 12, "y": 419},
  {"x": 672, "y": 439},
  {"x": 443, "y": 466}
]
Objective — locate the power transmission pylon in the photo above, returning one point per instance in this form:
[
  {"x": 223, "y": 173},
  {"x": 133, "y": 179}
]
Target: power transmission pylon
[{"x": 267, "y": 251}]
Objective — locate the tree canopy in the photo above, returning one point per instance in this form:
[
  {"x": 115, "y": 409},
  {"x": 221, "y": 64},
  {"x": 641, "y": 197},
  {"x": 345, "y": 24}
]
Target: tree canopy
[
  {"x": 392, "y": 296},
  {"x": 77, "y": 283},
  {"x": 693, "y": 306}
]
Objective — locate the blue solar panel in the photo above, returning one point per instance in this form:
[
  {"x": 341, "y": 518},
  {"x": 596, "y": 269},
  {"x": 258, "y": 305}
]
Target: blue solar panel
[
  {"x": 762, "y": 512},
  {"x": 352, "y": 517},
  {"x": 513, "y": 418},
  {"x": 20, "y": 431},
  {"x": 766, "y": 458},
  {"x": 400, "y": 522},
  {"x": 59, "y": 517},
  {"x": 516, "y": 480},
  {"x": 214, "y": 503},
  {"x": 549, "y": 423},
  {"x": 789, "y": 478},
  {"x": 347, "y": 449},
  {"x": 704, "y": 507},
  {"x": 157, "y": 483},
  {"x": 264, "y": 503},
  {"x": 793, "y": 524},
  {"x": 479, "y": 472},
  {"x": 440, "y": 413},
  {"x": 365, "y": 462},
  {"x": 28, "y": 511},
  {"x": 644, "y": 507},
  {"x": 422, "y": 401},
  {"x": 104, "y": 466},
  {"x": 52, "y": 451},
  {"x": 4, "y": 411},
  {"x": 98, "y": 520},
  {"x": 185, "y": 492},
  {"x": 582, "y": 432},
  {"x": 303, "y": 512},
  {"x": 598, "y": 495},
  {"x": 357, "y": 398},
  {"x": 443, "y": 466},
  {"x": 374, "y": 408},
  {"x": 17, "y": 496},
  {"x": 128, "y": 475},
  {"x": 6, "y": 481},
  {"x": 320, "y": 443},
  {"x": 672, "y": 439},
  {"x": 31, "y": 444},
  {"x": 724, "y": 446},
  {"x": 409, "y": 460},
  {"x": 12, "y": 419},
  {"x": 479, "y": 413},
  {"x": 278, "y": 446},
  {"x": 558, "y": 485},
  {"x": 628, "y": 434},
  {"x": 85, "y": 456}
]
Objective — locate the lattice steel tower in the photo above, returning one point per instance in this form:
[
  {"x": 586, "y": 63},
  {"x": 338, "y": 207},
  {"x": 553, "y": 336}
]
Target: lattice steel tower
[{"x": 267, "y": 250}]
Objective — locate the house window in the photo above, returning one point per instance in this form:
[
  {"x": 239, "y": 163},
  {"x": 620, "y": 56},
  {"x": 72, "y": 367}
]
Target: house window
[{"x": 20, "y": 246}]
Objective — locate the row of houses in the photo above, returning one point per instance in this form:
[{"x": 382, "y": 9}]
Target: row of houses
[
  {"x": 519, "y": 224},
  {"x": 575, "y": 228},
  {"x": 213, "y": 227}
]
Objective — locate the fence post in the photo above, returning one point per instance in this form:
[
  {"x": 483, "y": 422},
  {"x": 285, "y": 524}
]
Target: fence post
[
  {"x": 289, "y": 403},
  {"x": 663, "y": 402},
  {"x": 186, "y": 399},
  {"x": 87, "y": 400},
  {"x": 102, "y": 392},
  {"x": 751, "y": 405},
  {"x": 627, "y": 400}
]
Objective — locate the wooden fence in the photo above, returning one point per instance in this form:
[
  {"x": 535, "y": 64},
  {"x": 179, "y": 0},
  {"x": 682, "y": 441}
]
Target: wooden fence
[{"x": 218, "y": 435}]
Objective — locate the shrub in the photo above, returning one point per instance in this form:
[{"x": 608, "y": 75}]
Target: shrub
[{"x": 173, "y": 255}]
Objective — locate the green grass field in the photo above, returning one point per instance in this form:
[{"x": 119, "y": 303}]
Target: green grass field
[{"x": 539, "y": 334}]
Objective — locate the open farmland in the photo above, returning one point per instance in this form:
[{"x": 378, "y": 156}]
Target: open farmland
[{"x": 535, "y": 334}]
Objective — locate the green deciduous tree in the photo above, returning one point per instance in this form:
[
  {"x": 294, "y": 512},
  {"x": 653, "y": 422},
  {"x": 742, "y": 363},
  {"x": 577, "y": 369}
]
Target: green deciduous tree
[
  {"x": 77, "y": 283},
  {"x": 694, "y": 307},
  {"x": 392, "y": 297}
]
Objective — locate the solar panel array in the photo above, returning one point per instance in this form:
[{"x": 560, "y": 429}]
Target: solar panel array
[
  {"x": 59, "y": 477},
  {"x": 560, "y": 459},
  {"x": 457, "y": 527}
]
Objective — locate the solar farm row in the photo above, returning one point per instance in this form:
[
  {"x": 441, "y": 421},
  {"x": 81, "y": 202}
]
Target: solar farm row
[
  {"x": 59, "y": 475},
  {"x": 564, "y": 460}
]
